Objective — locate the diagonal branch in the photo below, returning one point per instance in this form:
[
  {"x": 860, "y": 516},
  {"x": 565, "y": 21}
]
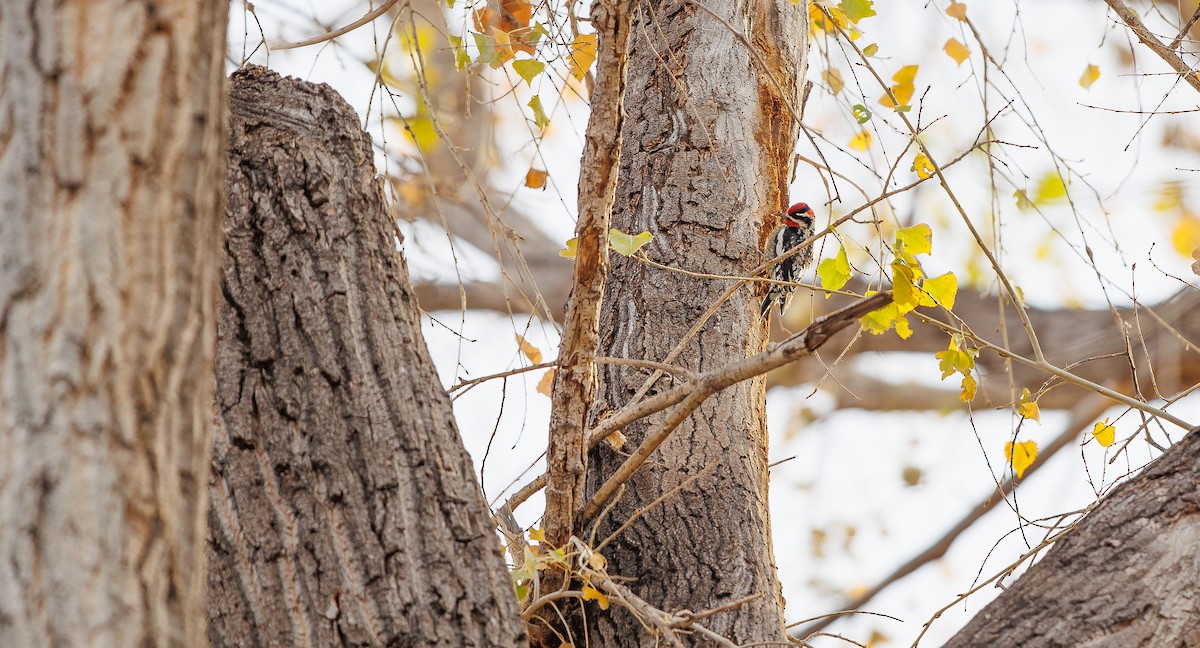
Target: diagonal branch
[
  {"x": 1172, "y": 58},
  {"x": 695, "y": 392}
]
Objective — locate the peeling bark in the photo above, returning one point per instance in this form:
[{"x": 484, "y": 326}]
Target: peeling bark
[
  {"x": 345, "y": 510},
  {"x": 111, "y": 150}
]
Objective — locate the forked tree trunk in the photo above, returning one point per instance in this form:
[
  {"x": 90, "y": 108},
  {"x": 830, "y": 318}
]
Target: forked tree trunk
[
  {"x": 344, "y": 507},
  {"x": 1125, "y": 576},
  {"x": 706, "y": 157},
  {"x": 111, "y": 194}
]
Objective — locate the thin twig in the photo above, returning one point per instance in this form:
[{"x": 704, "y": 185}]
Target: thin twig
[
  {"x": 1149, "y": 40},
  {"x": 327, "y": 36}
]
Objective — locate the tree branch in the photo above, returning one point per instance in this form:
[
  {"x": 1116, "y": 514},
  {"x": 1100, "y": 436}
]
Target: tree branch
[{"x": 1149, "y": 40}]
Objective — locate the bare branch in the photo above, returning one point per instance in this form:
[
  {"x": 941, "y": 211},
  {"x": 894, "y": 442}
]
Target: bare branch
[{"x": 1135, "y": 24}]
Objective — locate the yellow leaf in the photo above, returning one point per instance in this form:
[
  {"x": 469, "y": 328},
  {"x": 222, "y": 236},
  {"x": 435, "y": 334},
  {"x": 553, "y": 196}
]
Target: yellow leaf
[
  {"x": 835, "y": 272},
  {"x": 1170, "y": 196},
  {"x": 592, "y": 594},
  {"x": 954, "y": 360},
  {"x": 528, "y": 69},
  {"x": 968, "y": 390},
  {"x": 956, "y": 50},
  {"x": 922, "y": 166},
  {"x": 905, "y": 295},
  {"x": 871, "y": 50},
  {"x": 833, "y": 79},
  {"x": 957, "y": 10},
  {"x": 1185, "y": 235},
  {"x": 903, "y": 90},
  {"x": 545, "y": 386},
  {"x": 861, "y": 141},
  {"x": 539, "y": 114},
  {"x": 1105, "y": 434},
  {"x": 1028, "y": 407},
  {"x": 1020, "y": 455},
  {"x": 1050, "y": 188},
  {"x": 537, "y": 535},
  {"x": 628, "y": 244},
  {"x": 536, "y": 178},
  {"x": 942, "y": 289},
  {"x": 530, "y": 351},
  {"x": 917, "y": 239},
  {"x": 616, "y": 440},
  {"x": 856, "y": 10},
  {"x": 583, "y": 54},
  {"x": 1089, "y": 76},
  {"x": 504, "y": 50},
  {"x": 569, "y": 251},
  {"x": 883, "y": 319}
]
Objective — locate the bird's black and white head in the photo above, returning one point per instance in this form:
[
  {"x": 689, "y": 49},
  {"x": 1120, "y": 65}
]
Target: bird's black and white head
[{"x": 798, "y": 215}]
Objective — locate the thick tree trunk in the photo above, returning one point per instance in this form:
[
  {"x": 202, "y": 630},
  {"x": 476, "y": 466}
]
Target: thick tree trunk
[
  {"x": 1125, "y": 576},
  {"x": 111, "y": 194},
  {"x": 345, "y": 510},
  {"x": 705, "y": 158}
]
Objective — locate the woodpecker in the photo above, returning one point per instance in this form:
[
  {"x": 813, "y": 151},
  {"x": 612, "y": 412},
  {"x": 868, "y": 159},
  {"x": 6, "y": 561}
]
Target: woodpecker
[{"x": 797, "y": 228}]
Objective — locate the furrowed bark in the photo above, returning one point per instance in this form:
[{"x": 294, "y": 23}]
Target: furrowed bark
[
  {"x": 705, "y": 157},
  {"x": 1125, "y": 576},
  {"x": 111, "y": 157},
  {"x": 345, "y": 509}
]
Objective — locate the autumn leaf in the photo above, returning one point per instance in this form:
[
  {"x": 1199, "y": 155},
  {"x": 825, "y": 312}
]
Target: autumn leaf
[
  {"x": 461, "y": 58},
  {"x": 861, "y": 141},
  {"x": 528, "y": 69},
  {"x": 968, "y": 389},
  {"x": 922, "y": 166},
  {"x": 592, "y": 594},
  {"x": 628, "y": 244},
  {"x": 583, "y": 53},
  {"x": 486, "y": 47},
  {"x": 905, "y": 294},
  {"x": 957, "y": 10},
  {"x": 569, "y": 251},
  {"x": 1020, "y": 455},
  {"x": 903, "y": 90},
  {"x": 1028, "y": 407},
  {"x": 881, "y": 320},
  {"x": 956, "y": 50},
  {"x": 1050, "y": 188},
  {"x": 530, "y": 351},
  {"x": 833, "y": 79},
  {"x": 1185, "y": 235},
  {"x": 1089, "y": 76},
  {"x": 537, "y": 535},
  {"x": 856, "y": 10},
  {"x": 954, "y": 360},
  {"x": 871, "y": 50},
  {"x": 861, "y": 114},
  {"x": 1104, "y": 432},
  {"x": 545, "y": 386},
  {"x": 536, "y": 178},
  {"x": 917, "y": 239},
  {"x": 504, "y": 50},
  {"x": 835, "y": 272},
  {"x": 539, "y": 114},
  {"x": 942, "y": 289}
]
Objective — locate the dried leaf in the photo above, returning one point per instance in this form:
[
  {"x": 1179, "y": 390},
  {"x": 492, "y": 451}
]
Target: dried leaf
[
  {"x": 545, "y": 386},
  {"x": 536, "y": 178}
]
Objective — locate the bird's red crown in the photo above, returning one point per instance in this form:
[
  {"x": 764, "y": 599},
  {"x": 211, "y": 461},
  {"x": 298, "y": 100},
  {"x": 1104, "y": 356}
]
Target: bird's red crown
[{"x": 798, "y": 209}]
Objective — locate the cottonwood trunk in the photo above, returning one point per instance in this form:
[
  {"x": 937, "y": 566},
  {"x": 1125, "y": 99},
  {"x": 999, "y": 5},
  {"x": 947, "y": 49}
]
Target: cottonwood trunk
[
  {"x": 705, "y": 158},
  {"x": 111, "y": 158},
  {"x": 345, "y": 510},
  {"x": 1126, "y": 576}
]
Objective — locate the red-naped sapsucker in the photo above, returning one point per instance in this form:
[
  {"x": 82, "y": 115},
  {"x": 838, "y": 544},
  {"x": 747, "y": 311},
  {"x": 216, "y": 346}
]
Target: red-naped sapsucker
[{"x": 797, "y": 227}]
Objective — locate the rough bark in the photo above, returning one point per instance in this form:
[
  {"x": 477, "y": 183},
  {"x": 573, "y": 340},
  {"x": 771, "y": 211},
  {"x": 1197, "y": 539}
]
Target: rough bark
[
  {"x": 1125, "y": 576},
  {"x": 705, "y": 157},
  {"x": 111, "y": 150},
  {"x": 345, "y": 510}
]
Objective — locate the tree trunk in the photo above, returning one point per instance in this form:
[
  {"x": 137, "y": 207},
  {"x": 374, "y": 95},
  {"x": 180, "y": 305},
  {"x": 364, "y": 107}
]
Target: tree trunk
[
  {"x": 705, "y": 159},
  {"x": 345, "y": 510},
  {"x": 1125, "y": 576},
  {"x": 111, "y": 150}
]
